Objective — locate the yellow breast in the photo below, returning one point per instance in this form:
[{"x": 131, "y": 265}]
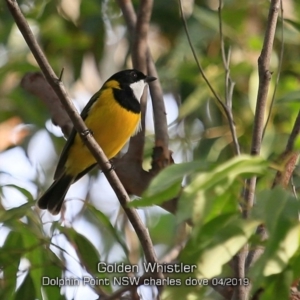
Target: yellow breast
[{"x": 111, "y": 125}]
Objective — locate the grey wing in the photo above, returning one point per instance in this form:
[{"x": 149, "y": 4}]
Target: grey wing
[{"x": 64, "y": 155}]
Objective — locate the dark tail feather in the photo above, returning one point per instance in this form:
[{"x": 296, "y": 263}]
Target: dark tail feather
[{"x": 55, "y": 195}]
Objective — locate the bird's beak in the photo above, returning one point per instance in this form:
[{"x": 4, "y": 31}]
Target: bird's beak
[{"x": 149, "y": 79}]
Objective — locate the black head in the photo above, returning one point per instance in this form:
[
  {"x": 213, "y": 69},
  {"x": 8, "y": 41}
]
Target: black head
[
  {"x": 127, "y": 77},
  {"x": 131, "y": 84}
]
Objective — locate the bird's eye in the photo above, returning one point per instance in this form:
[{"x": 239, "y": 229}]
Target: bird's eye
[{"x": 134, "y": 75}]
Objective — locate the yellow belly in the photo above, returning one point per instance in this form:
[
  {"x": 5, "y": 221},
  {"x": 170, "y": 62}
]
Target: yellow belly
[{"x": 111, "y": 125}]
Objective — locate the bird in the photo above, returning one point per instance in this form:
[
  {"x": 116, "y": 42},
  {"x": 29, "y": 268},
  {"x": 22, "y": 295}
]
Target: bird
[{"x": 112, "y": 115}]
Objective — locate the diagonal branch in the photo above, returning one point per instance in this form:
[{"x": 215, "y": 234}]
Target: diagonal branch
[
  {"x": 289, "y": 157},
  {"x": 80, "y": 126}
]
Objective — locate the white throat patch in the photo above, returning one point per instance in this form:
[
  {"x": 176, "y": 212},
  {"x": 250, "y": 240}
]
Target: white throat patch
[{"x": 138, "y": 88}]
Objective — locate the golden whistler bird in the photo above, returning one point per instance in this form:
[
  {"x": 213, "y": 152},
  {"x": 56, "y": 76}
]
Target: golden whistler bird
[{"x": 112, "y": 115}]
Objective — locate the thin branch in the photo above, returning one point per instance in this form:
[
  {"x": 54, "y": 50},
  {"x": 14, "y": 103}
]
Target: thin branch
[
  {"x": 140, "y": 43},
  {"x": 262, "y": 94},
  {"x": 289, "y": 157},
  {"x": 224, "y": 58},
  {"x": 129, "y": 14},
  {"x": 127, "y": 288},
  {"x": 240, "y": 292},
  {"x": 159, "y": 111},
  {"x": 294, "y": 134},
  {"x": 256, "y": 253},
  {"x": 80, "y": 126},
  {"x": 279, "y": 69},
  {"x": 229, "y": 84},
  {"x": 196, "y": 58},
  {"x": 225, "y": 110},
  {"x": 138, "y": 179},
  {"x": 142, "y": 60},
  {"x": 264, "y": 73},
  {"x": 139, "y": 61},
  {"x": 239, "y": 259},
  {"x": 160, "y": 123},
  {"x": 294, "y": 188}
]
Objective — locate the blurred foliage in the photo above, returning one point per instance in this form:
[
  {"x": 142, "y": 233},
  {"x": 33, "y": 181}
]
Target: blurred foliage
[{"x": 71, "y": 31}]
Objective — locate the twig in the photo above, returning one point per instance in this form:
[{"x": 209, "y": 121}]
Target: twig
[
  {"x": 294, "y": 188},
  {"x": 80, "y": 126},
  {"x": 127, "y": 288},
  {"x": 241, "y": 292},
  {"x": 129, "y": 14},
  {"x": 279, "y": 69},
  {"x": 264, "y": 82},
  {"x": 159, "y": 111},
  {"x": 225, "y": 109},
  {"x": 256, "y": 253},
  {"x": 140, "y": 44},
  {"x": 224, "y": 58},
  {"x": 229, "y": 84},
  {"x": 139, "y": 61},
  {"x": 160, "y": 123},
  {"x": 196, "y": 58},
  {"x": 138, "y": 179},
  {"x": 173, "y": 254},
  {"x": 294, "y": 134},
  {"x": 289, "y": 157},
  {"x": 140, "y": 51}
]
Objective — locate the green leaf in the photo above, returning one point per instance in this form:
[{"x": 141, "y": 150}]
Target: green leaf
[
  {"x": 172, "y": 174},
  {"x": 243, "y": 164},
  {"x": 52, "y": 271},
  {"x": 15, "y": 213},
  {"x": 27, "y": 290},
  {"x": 208, "y": 190},
  {"x": 278, "y": 210},
  {"x": 273, "y": 206},
  {"x": 215, "y": 256},
  {"x": 10, "y": 257},
  {"x": 34, "y": 252},
  {"x": 293, "y": 96},
  {"x": 165, "y": 230},
  {"x": 293, "y": 23},
  {"x": 216, "y": 242},
  {"x": 86, "y": 251},
  {"x": 162, "y": 196},
  {"x": 23, "y": 191},
  {"x": 295, "y": 264},
  {"x": 105, "y": 222},
  {"x": 167, "y": 184},
  {"x": 210, "y": 19},
  {"x": 285, "y": 246},
  {"x": 278, "y": 287}
]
